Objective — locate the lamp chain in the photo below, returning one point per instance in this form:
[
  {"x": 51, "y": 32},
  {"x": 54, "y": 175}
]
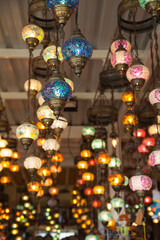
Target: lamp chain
[
  {"x": 135, "y": 35},
  {"x": 156, "y": 49},
  {"x": 29, "y": 83},
  {"x": 152, "y": 57}
]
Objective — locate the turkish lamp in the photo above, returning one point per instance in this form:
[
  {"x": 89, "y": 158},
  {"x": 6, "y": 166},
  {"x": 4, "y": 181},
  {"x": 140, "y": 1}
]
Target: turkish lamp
[
  {"x": 121, "y": 60},
  {"x": 53, "y": 191},
  {"x": 50, "y": 55},
  {"x": 88, "y": 177},
  {"x": 129, "y": 120},
  {"x": 149, "y": 142},
  {"x": 40, "y": 142},
  {"x": 45, "y": 115},
  {"x": 48, "y": 182},
  {"x": 116, "y": 180},
  {"x": 14, "y": 168},
  {"x": 3, "y": 143},
  {"x": 42, "y": 129},
  {"x": 32, "y": 35},
  {"x": 154, "y": 157},
  {"x": 55, "y": 169},
  {"x": 142, "y": 149},
  {"x": 139, "y": 184},
  {"x": 86, "y": 153},
  {"x": 114, "y": 138},
  {"x": 56, "y": 92},
  {"x": 33, "y": 188},
  {"x": 115, "y": 162},
  {"x": 140, "y": 133},
  {"x": 98, "y": 144},
  {"x": 51, "y": 146},
  {"x": 27, "y": 133},
  {"x": 88, "y": 133},
  {"x": 104, "y": 216},
  {"x": 6, "y": 153},
  {"x": 82, "y": 165},
  {"x": 59, "y": 126},
  {"x": 137, "y": 74},
  {"x": 128, "y": 99},
  {"x": 77, "y": 51},
  {"x": 5, "y": 164},
  {"x": 151, "y": 6},
  {"x": 5, "y": 180},
  {"x": 57, "y": 158},
  {"x": 92, "y": 236},
  {"x": 120, "y": 40},
  {"x": 154, "y": 130},
  {"x": 33, "y": 87},
  {"x": 117, "y": 203},
  {"x": 154, "y": 99},
  {"x": 32, "y": 164},
  {"x": 62, "y": 9},
  {"x": 44, "y": 171},
  {"x": 15, "y": 155},
  {"x": 98, "y": 190}
]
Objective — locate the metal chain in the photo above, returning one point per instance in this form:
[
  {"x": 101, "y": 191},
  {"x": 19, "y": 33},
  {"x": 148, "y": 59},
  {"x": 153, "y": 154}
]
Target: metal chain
[
  {"x": 152, "y": 56},
  {"x": 156, "y": 49},
  {"x": 29, "y": 82}
]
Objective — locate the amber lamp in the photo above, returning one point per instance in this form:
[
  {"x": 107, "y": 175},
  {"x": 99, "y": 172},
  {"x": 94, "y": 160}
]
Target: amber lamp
[
  {"x": 86, "y": 153},
  {"x": 88, "y": 191},
  {"x": 92, "y": 162},
  {"x": 103, "y": 158},
  {"x": 5, "y": 179},
  {"x": 82, "y": 165},
  {"x": 40, "y": 141},
  {"x": 33, "y": 187},
  {"x": 54, "y": 191},
  {"x": 55, "y": 169},
  {"x": 88, "y": 177},
  {"x": 75, "y": 191},
  {"x": 48, "y": 182},
  {"x": 44, "y": 172},
  {"x": 129, "y": 120},
  {"x": 57, "y": 158},
  {"x": 40, "y": 193},
  {"x": 98, "y": 190},
  {"x": 96, "y": 203},
  {"x": 14, "y": 167},
  {"x": 15, "y": 155},
  {"x": 6, "y": 164},
  {"x": 116, "y": 181}
]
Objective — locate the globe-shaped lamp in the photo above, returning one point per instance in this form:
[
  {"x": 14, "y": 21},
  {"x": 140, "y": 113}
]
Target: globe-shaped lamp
[
  {"x": 139, "y": 133},
  {"x": 115, "y": 162},
  {"x": 154, "y": 130},
  {"x": 59, "y": 125},
  {"x": 129, "y": 120},
  {"x": 120, "y": 40},
  {"x": 45, "y": 115},
  {"x": 51, "y": 146},
  {"x": 128, "y": 99},
  {"x": 151, "y": 6},
  {"x": 88, "y": 132},
  {"x": 88, "y": 177},
  {"x": 149, "y": 142},
  {"x": 117, "y": 203},
  {"x": 98, "y": 190},
  {"x": 104, "y": 216},
  {"x": 32, "y": 164},
  {"x": 154, "y": 98},
  {"x": 34, "y": 88},
  {"x": 154, "y": 158},
  {"x": 98, "y": 144}
]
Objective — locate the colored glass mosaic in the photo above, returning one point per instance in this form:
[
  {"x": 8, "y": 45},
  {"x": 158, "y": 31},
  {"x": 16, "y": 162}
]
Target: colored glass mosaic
[
  {"x": 154, "y": 96},
  {"x": 117, "y": 202},
  {"x": 137, "y": 71},
  {"x": 71, "y": 3},
  {"x": 98, "y": 144},
  {"x": 104, "y": 216},
  {"x": 27, "y": 130},
  {"x": 88, "y": 131},
  {"x": 121, "y": 57},
  {"x": 114, "y": 162},
  {"x": 77, "y": 46},
  {"x": 154, "y": 157},
  {"x": 140, "y": 183},
  {"x": 32, "y": 31},
  {"x": 50, "y": 53},
  {"x": 56, "y": 89},
  {"x": 45, "y": 112},
  {"x": 115, "y": 45},
  {"x": 143, "y": 3}
]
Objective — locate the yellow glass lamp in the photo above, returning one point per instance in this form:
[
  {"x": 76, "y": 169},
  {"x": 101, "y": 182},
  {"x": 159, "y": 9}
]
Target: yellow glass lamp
[
  {"x": 128, "y": 99},
  {"x": 98, "y": 190},
  {"x": 86, "y": 153},
  {"x": 88, "y": 177},
  {"x": 129, "y": 120},
  {"x": 82, "y": 165},
  {"x": 103, "y": 158}
]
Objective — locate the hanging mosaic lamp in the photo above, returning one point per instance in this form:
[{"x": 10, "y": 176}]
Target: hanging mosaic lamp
[
  {"x": 32, "y": 164},
  {"x": 149, "y": 142},
  {"x": 120, "y": 40},
  {"x": 59, "y": 126},
  {"x": 32, "y": 35},
  {"x": 88, "y": 177},
  {"x": 154, "y": 157},
  {"x": 137, "y": 74},
  {"x": 33, "y": 188},
  {"x": 88, "y": 133},
  {"x": 129, "y": 120},
  {"x": 151, "y": 6},
  {"x": 51, "y": 146},
  {"x": 117, "y": 203},
  {"x": 121, "y": 60},
  {"x": 50, "y": 55},
  {"x": 92, "y": 236},
  {"x": 57, "y": 158},
  {"x": 139, "y": 133},
  {"x": 35, "y": 87},
  {"x": 56, "y": 92},
  {"x": 115, "y": 162},
  {"x": 154, "y": 98},
  {"x": 116, "y": 180},
  {"x": 103, "y": 158},
  {"x": 128, "y": 99},
  {"x": 142, "y": 149},
  {"x": 104, "y": 216},
  {"x": 27, "y": 133},
  {"x": 82, "y": 165},
  {"x": 77, "y": 51},
  {"x": 98, "y": 190},
  {"x": 62, "y": 9},
  {"x": 45, "y": 115},
  {"x": 3, "y": 143},
  {"x": 154, "y": 130},
  {"x": 14, "y": 168},
  {"x": 98, "y": 144}
]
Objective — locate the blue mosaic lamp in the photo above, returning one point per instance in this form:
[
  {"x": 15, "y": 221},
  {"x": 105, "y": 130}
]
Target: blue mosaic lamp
[
  {"x": 56, "y": 92},
  {"x": 77, "y": 51},
  {"x": 62, "y": 9}
]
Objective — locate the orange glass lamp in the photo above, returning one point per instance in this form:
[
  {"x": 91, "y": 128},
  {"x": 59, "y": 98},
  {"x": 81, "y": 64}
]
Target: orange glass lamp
[
  {"x": 40, "y": 141},
  {"x": 55, "y": 169},
  {"x": 86, "y": 153},
  {"x": 48, "y": 182},
  {"x": 129, "y": 120},
  {"x": 5, "y": 180},
  {"x": 128, "y": 99},
  {"x": 44, "y": 172},
  {"x": 57, "y": 158},
  {"x": 116, "y": 181},
  {"x": 33, "y": 187},
  {"x": 54, "y": 191},
  {"x": 103, "y": 159},
  {"x": 40, "y": 193},
  {"x": 96, "y": 203},
  {"x": 15, "y": 155},
  {"x": 98, "y": 190},
  {"x": 88, "y": 191},
  {"x": 6, "y": 164},
  {"x": 88, "y": 177},
  {"x": 41, "y": 128},
  {"x": 82, "y": 165},
  {"x": 14, "y": 167},
  {"x": 111, "y": 223}
]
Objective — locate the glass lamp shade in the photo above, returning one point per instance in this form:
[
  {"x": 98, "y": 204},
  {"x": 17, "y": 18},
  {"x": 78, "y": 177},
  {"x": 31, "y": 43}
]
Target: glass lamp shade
[
  {"x": 60, "y": 123},
  {"x": 86, "y": 153},
  {"x": 48, "y": 182},
  {"x": 57, "y": 158},
  {"x": 142, "y": 149},
  {"x": 43, "y": 113},
  {"x": 50, "y": 53},
  {"x": 40, "y": 99},
  {"x": 32, "y": 31},
  {"x": 77, "y": 46},
  {"x": 149, "y": 141},
  {"x": 40, "y": 193},
  {"x": 147, "y": 200},
  {"x": 44, "y": 172},
  {"x": 27, "y": 130},
  {"x": 115, "y": 45},
  {"x": 3, "y": 143},
  {"x": 88, "y": 131},
  {"x": 140, "y": 133},
  {"x": 129, "y": 120},
  {"x": 88, "y": 177},
  {"x": 88, "y": 191},
  {"x": 92, "y": 162},
  {"x": 140, "y": 183},
  {"x": 40, "y": 126},
  {"x": 70, "y": 83},
  {"x": 151, "y": 6},
  {"x": 55, "y": 169},
  {"x": 92, "y": 237},
  {"x": 71, "y": 3},
  {"x": 40, "y": 141},
  {"x": 154, "y": 96},
  {"x": 14, "y": 168},
  {"x": 6, "y": 153},
  {"x": 51, "y": 144},
  {"x": 82, "y": 165},
  {"x": 154, "y": 129},
  {"x": 6, "y": 164},
  {"x": 154, "y": 158},
  {"x": 115, "y": 162},
  {"x": 137, "y": 71},
  {"x": 54, "y": 191},
  {"x": 96, "y": 203},
  {"x": 15, "y": 155},
  {"x": 116, "y": 179},
  {"x": 32, "y": 162},
  {"x": 128, "y": 97},
  {"x": 103, "y": 158},
  {"x": 98, "y": 190},
  {"x": 56, "y": 89},
  {"x": 98, "y": 144},
  {"x": 121, "y": 57},
  {"x": 35, "y": 86},
  {"x": 5, "y": 180},
  {"x": 104, "y": 216},
  {"x": 126, "y": 181},
  {"x": 1, "y": 167},
  {"x": 33, "y": 187},
  {"x": 117, "y": 202}
]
